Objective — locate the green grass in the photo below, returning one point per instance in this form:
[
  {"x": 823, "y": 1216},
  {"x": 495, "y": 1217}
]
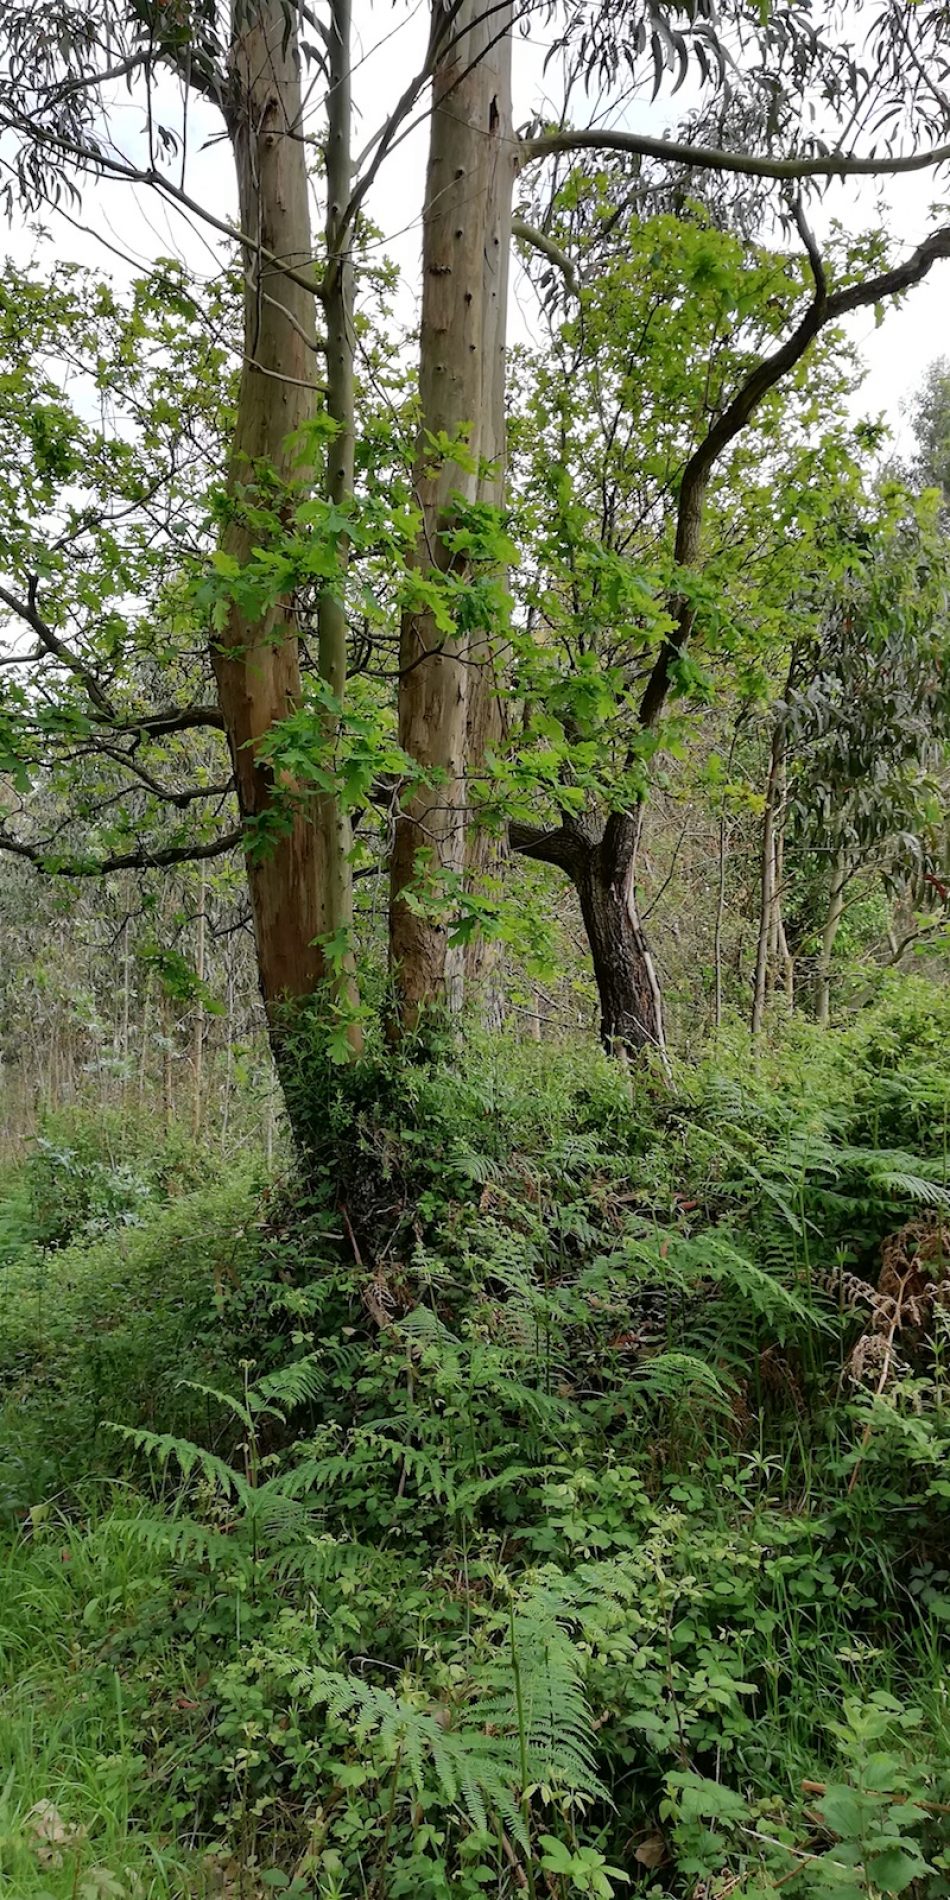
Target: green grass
[{"x": 78, "y": 1817}]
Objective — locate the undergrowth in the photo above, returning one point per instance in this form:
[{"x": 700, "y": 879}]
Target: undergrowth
[{"x": 551, "y": 1497}]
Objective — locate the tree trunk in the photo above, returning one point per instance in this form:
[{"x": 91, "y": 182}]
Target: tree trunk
[
  {"x": 833, "y": 916},
  {"x": 631, "y": 1008},
  {"x": 290, "y": 844},
  {"x": 485, "y": 850},
  {"x": 768, "y": 922},
  {"x": 333, "y": 821},
  {"x": 445, "y": 685},
  {"x": 601, "y": 862},
  {"x": 198, "y": 1025}
]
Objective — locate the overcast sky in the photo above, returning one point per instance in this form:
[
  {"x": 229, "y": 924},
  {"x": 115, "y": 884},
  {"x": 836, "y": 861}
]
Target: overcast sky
[{"x": 140, "y": 227}]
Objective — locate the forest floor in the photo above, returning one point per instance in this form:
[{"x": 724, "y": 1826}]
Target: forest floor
[{"x": 550, "y": 1495}]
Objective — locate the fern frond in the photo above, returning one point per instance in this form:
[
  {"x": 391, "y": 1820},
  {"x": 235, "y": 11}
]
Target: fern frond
[
  {"x": 227, "y": 1399},
  {"x": 298, "y": 1383},
  {"x": 163, "y": 1449},
  {"x": 182, "y": 1539}
]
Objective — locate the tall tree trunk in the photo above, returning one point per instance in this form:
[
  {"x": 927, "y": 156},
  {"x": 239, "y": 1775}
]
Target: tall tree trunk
[
  {"x": 198, "y": 1025},
  {"x": 445, "y": 685},
  {"x": 296, "y": 853},
  {"x": 768, "y": 889},
  {"x": 833, "y": 916},
  {"x": 485, "y": 851},
  {"x": 333, "y": 821}
]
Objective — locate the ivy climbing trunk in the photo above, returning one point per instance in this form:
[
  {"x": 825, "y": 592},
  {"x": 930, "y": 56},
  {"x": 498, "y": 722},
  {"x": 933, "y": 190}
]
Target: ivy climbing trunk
[
  {"x": 446, "y": 690},
  {"x": 296, "y": 850}
]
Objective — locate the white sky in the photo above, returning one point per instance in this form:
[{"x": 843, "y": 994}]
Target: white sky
[{"x": 141, "y": 227}]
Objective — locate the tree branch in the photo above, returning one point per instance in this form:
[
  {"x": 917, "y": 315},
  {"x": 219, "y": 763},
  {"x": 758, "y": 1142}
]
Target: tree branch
[
  {"x": 558, "y": 847},
  {"x": 97, "y": 160},
  {"x": 27, "y": 611},
  {"x": 187, "y": 719},
  {"x": 824, "y": 308},
  {"x": 711, "y": 158},
  {"x": 141, "y": 860},
  {"x": 540, "y": 241},
  {"x": 154, "y": 724},
  {"x": 188, "y": 795}
]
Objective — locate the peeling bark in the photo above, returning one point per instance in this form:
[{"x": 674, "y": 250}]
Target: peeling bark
[
  {"x": 446, "y": 690},
  {"x": 256, "y": 661}
]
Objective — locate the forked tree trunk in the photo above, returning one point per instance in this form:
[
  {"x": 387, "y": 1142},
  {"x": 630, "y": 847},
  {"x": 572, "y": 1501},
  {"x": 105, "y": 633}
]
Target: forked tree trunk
[
  {"x": 295, "y": 853},
  {"x": 445, "y": 685}
]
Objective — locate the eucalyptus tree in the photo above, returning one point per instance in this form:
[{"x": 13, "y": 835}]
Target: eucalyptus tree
[
  {"x": 865, "y": 722},
  {"x": 930, "y": 419},
  {"x": 289, "y": 459}
]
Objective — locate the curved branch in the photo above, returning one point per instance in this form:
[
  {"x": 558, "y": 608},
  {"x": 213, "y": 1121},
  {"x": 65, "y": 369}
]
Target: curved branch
[
  {"x": 540, "y": 241},
  {"x": 824, "y": 308},
  {"x": 97, "y": 160},
  {"x": 27, "y": 611},
  {"x": 711, "y": 158},
  {"x": 152, "y": 725},
  {"x": 187, "y": 719},
  {"x": 560, "y": 847},
  {"x": 188, "y": 795}
]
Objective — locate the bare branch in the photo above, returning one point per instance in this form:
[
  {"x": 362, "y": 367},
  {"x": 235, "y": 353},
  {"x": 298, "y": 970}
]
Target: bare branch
[
  {"x": 27, "y": 611},
  {"x": 711, "y": 158},
  {"x": 560, "y": 847},
  {"x": 539, "y": 241}
]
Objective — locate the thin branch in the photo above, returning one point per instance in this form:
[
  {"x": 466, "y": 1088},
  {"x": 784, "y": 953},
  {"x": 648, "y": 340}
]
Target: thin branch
[
  {"x": 27, "y": 611},
  {"x": 97, "y": 160},
  {"x": 553, "y": 252}
]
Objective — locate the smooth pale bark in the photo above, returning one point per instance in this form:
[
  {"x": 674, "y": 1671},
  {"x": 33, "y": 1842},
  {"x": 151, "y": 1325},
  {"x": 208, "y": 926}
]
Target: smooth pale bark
[
  {"x": 198, "y": 1026},
  {"x": 767, "y": 941},
  {"x": 332, "y": 821},
  {"x": 788, "y": 964},
  {"x": 485, "y": 851},
  {"x": 256, "y": 660},
  {"x": 833, "y": 916},
  {"x": 446, "y": 692}
]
